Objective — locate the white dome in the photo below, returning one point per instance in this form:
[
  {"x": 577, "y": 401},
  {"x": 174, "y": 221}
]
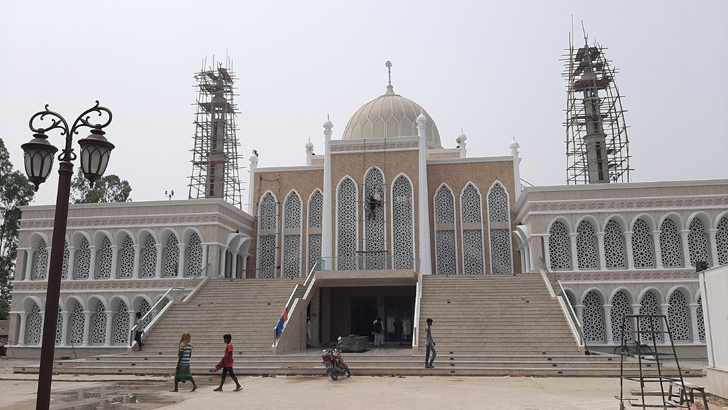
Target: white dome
[{"x": 389, "y": 115}]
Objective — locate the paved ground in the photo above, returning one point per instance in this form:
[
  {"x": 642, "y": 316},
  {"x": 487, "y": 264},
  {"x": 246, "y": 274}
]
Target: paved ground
[{"x": 305, "y": 392}]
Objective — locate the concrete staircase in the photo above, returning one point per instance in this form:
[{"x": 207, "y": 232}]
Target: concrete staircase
[{"x": 489, "y": 325}]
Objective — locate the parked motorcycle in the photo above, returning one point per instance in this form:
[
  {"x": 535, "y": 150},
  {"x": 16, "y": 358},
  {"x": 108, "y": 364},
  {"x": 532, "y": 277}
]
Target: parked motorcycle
[{"x": 335, "y": 364}]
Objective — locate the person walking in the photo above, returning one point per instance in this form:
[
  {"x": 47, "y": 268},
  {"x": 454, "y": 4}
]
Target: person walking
[
  {"x": 182, "y": 372},
  {"x": 378, "y": 335},
  {"x": 227, "y": 364},
  {"x": 430, "y": 345},
  {"x": 139, "y": 330}
]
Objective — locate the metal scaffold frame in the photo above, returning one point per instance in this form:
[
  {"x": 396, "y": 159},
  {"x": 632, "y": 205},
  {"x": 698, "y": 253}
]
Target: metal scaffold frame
[
  {"x": 215, "y": 170},
  {"x": 610, "y": 114}
]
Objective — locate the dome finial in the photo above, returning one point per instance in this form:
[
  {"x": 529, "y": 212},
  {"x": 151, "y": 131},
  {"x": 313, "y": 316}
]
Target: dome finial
[{"x": 390, "y": 89}]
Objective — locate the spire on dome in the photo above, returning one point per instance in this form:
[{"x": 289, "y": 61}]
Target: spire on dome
[{"x": 390, "y": 89}]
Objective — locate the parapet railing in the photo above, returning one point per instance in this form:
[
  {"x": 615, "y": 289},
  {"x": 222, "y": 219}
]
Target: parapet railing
[
  {"x": 557, "y": 291},
  {"x": 299, "y": 292},
  {"x": 164, "y": 303}
]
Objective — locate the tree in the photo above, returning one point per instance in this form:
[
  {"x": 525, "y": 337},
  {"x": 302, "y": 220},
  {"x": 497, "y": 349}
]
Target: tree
[
  {"x": 110, "y": 188},
  {"x": 15, "y": 191}
]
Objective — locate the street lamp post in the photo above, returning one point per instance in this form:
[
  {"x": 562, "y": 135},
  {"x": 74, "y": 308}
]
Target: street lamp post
[{"x": 95, "y": 152}]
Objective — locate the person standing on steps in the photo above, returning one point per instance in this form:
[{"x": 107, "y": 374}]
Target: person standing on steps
[
  {"x": 139, "y": 330},
  {"x": 378, "y": 336},
  {"x": 227, "y": 364},
  {"x": 182, "y": 372},
  {"x": 430, "y": 345}
]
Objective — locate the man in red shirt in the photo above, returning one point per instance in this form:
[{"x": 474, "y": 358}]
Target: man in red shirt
[{"x": 227, "y": 362}]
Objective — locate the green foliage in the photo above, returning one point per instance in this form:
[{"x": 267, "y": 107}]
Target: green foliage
[
  {"x": 110, "y": 188},
  {"x": 15, "y": 191}
]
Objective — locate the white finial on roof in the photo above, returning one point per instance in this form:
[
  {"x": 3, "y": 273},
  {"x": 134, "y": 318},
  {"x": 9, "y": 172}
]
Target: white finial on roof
[
  {"x": 390, "y": 89},
  {"x": 514, "y": 147},
  {"x": 328, "y": 125},
  {"x": 461, "y": 143},
  {"x": 421, "y": 119}
]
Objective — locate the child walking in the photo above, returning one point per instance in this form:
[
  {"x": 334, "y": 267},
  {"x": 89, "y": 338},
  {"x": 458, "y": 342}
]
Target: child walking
[
  {"x": 182, "y": 373},
  {"x": 227, "y": 363}
]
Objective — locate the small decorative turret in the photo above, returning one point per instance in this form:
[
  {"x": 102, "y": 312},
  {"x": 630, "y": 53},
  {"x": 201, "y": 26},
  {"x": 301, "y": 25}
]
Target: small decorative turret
[
  {"x": 309, "y": 152},
  {"x": 461, "y": 141},
  {"x": 514, "y": 147}
]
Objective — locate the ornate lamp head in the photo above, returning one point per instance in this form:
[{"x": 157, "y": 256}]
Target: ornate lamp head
[
  {"x": 38, "y": 158},
  {"x": 95, "y": 154}
]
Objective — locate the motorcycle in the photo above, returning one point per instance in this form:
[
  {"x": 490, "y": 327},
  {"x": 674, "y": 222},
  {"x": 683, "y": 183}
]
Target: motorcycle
[{"x": 335, "y": 364}]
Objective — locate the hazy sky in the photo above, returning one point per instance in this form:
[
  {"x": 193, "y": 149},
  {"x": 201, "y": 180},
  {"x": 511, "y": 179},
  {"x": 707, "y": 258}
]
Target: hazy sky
[{"x": 492, "y": 70}]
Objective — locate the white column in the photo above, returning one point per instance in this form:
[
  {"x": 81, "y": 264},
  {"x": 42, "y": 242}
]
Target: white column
[
  {"x": 250, "y": 206},
  {"x": 48, "y": 264},
  {"x": 223, "y": 252},
  {"x": 181, "y": 260},
  {"x": 602, "y": 255},
  {"x": 516, "y": 168},
  {"x": 64, "y": 329},
  {"x": 137, "y": 257},
  {"x": 580, "y": 313},
  {"x": 23, "y": 324},
  {"x": 630, "y": 256},
  {"x": 86, "y": 325},
  {"x": 132, "y": 323},
  {"x": 114, "y": 261},
  {"x": 423, "y": 210},
  {"x": 71, "y": 264},
  {"x": 686, "y": 248},
  {"x": 713, "y": 247},
  {"x": 158, "y": 270},
  {"x": 109, "y": 319},
  {"x": 658, "y": 251},
  {"x": 42, "y": 326},
  {"x": 327, "y": 240},
  {"x": 92, "y": 264},
  {"x": 546, "y": 251},
  {"x": 694, "y": 322},
  {"x": 244, "y": 270},
  {"x": 636, "y": 311},
  {"x": 608, "y": 323},
  {"x": 204, "y": 259},
  {"x": 28, "y": 264},
  {"x": 665, "y": 307},
  {"x": 234, "y": 265},
  {"x": 574, "y": 252}
]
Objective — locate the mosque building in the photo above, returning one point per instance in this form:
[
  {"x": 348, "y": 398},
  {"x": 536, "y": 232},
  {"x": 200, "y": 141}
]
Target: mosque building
[{"x": 387, "y": 204}]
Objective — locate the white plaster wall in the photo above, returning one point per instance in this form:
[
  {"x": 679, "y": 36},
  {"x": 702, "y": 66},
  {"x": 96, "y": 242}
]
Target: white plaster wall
[{"x": 714, "y": 285}]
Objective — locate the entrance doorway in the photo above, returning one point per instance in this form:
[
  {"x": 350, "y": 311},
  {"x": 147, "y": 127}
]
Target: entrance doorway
[
  {"x": 363, "y": 313},
  {"x": 398, "y": 318}
]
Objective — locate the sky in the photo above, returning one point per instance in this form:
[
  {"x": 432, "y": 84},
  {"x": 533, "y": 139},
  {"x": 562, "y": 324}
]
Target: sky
[{"x": 492, "y": 69}]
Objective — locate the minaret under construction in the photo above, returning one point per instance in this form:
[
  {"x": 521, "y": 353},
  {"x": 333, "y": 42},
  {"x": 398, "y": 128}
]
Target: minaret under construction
[
  {"x": 215, "y": 154},
  {"x": 597, "y": 147}
]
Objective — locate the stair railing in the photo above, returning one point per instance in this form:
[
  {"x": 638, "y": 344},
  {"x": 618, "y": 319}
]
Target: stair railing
[
  {"x": 200, "y": 278},
  {"x": 556, "y": 290},
  {"x": 290, "y": 309},
  {"x": 416, "y": 324}
]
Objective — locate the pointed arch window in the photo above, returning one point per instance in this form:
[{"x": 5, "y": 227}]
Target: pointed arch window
[
  {"x": 149, "y": 257},
  {"x": 315, "y": 223},
  {"x": 103, "y": 264},
  {"x": 671, "y": 250},
  {"x": 66, "y": 259},
  {"x": 292, "y": 213},
  {"x": 587, "y": 247},
  {"x": 614, "y": 246},
  {"x": 649, "y": 305},
  {"x": 445, "y": 245},
  {"x": 346, "y": 225},
  {"x": 194, "y": 255},
  {"x": 499, "y": 225},
  {"x": 472, "y": 227},
  {"x": 98, "y": 324},
  {"x": 126, "y": 258},
  {"x": 698, "y": 242},
  {"x": 34, "y": 326},
  {"x": 403, "y": 233},
  {"x": 40, "y": 270},
  {"x": 593, "y": 317},
  {"x": 375, "y": 242},
  {"x": 59, "y": 327},
  {"x": 559, "y": 246},
  {"x": 121, "y": 324},
  {"x": 643, "y": 246},
  {"x": 83, "y": 259},
  {"x": 678, "y": 316},
  {"x": 171, "y": 256},
  {"x": 267, "y": 236},
  {"x": 621, "y": 305},
  {"x": 721, "y": 239}
]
